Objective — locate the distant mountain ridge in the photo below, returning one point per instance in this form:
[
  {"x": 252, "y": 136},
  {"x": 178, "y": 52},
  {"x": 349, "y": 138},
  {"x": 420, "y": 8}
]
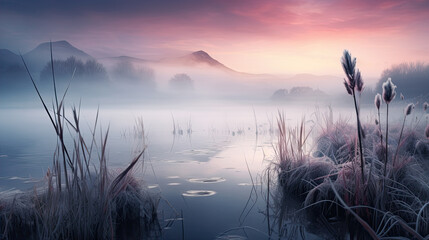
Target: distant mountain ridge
[
  {"x": 197, "y": 58},
  {"x": 60, "y": 50},
  {"x": 38, "y": 57},
  {"x": 194, "y": 59},
  {"x": 8, "y": 59}
]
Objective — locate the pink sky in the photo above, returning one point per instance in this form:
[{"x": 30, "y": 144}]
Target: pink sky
[{"x": 252, "y": 36}]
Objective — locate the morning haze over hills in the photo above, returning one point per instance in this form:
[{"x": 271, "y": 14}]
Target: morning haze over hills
[{"x": 196, "y": 74}]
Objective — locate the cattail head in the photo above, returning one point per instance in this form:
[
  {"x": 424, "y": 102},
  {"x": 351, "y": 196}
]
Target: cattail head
[
  {"x": 389, "y": 92},
  {"x": 408, "y": 109},
  {"x": 377, "y": 101},
  {"x": 425, "y": 106},
  {"x": 427, "y": 132},
  {"x": 349, "y": 65},
  {"x": 359, "y": 81},
  {"x": 402, "y": 96}
]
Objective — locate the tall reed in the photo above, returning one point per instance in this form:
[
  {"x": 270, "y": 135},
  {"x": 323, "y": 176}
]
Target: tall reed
[
  {"x": 81, "y": 200},
  {"x": 389, "y": 94},
  {"x": 377, "y": 103},
  {"x": 408, "y": 109},
  {"x": 391, "y": 204},
  {"x": 354, "y": 83}
]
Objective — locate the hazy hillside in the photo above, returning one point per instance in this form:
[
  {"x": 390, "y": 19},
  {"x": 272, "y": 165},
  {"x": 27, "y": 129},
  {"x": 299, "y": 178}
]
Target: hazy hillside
[
  {"x": 61, "y": 50},
  {"x": 8, "y": 59},
  {"x": 130, "y": 75},
  {"x": 412, "y": 79}
]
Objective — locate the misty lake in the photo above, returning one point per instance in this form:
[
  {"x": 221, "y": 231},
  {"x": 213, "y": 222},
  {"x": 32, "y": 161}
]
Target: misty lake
[{"x": 210, "y": 169}]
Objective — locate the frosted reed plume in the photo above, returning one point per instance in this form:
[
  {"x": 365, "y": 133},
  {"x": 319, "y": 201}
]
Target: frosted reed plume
[{"x": 354, "y": 83}]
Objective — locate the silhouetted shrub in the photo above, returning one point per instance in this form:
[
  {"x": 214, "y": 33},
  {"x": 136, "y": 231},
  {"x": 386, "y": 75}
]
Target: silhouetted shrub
[
  {"x": 126, "y": 72},
  {"x": 181, "y": 82}
]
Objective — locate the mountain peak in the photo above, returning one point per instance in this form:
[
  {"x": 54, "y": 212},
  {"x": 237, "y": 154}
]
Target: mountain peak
[
  {"x": 203, "y": 57},
  {"x": 60, "y": 49},
  {"x": 61, "y": 43},
  {"x": 201, "y": 53},
  {"x": 197, "y": 58}
]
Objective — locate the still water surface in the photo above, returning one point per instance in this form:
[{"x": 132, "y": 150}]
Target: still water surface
[{"x": 207, "y": 172}]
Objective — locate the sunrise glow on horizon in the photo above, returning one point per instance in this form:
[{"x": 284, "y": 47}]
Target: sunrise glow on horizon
[{"x": 276, "y": 37}]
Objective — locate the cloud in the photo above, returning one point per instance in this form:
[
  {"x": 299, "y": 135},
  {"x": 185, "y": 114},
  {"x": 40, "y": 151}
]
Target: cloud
[
  {"x": 276, "y": 17},
  {"x": 146, "y": 27}
]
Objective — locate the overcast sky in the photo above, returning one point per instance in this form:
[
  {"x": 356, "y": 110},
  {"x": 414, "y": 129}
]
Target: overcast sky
[{"x": 255, "y": 36}]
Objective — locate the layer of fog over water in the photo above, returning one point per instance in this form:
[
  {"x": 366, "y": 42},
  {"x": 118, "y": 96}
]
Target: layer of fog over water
[
  {"x": 211, "y": 169},
  {"x": 201, "y": 171}
]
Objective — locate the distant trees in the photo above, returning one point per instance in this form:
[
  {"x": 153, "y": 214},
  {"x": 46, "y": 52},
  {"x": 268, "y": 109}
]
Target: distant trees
[
  {"x": 89, "y": 71},
  {"x": 126, "y": 72},
  {"x": 181, "y": 82},
  {"x": 279, "y": 94},
  {"x": 411, "y": 78},
  {"x": 298, "y": 93}
]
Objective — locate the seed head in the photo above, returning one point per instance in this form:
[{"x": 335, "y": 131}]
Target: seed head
[
  {"x": 349, "y": 68},
  {"x": 376, "y": 122},
  {"x": 349, "y": 90},
  {"x": 408, "y": 109},
  {"x": 377, "y": 101},
  {"x": 359, "y": 81},
  {"x": 389, "y": 92},
  {"x": 425, "y": 106}
]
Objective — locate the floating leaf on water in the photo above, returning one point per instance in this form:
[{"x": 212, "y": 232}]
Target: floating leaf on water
[
  {"x": 198, "y": 193},
  {"x": 247, "y": 184},
  {"x": 244, "y": 184},
  {"x": 207, "y": 180},
  {"x": 173, "y": 184},
  {"x": 173, "y": 177}
]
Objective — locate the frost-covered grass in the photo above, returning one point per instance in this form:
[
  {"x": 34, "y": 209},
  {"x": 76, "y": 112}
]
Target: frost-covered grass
[
  {"x": 383, "y": 192},
  {"x": 326, "y": 181},
  {"x": 80, "y": 198}
]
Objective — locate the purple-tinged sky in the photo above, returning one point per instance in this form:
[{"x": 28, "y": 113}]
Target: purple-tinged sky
[{"x": 253, "y": 36}]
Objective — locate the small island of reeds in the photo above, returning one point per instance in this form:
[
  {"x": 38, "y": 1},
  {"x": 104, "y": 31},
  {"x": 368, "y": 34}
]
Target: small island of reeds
[{"x": 361, "y": 180}]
